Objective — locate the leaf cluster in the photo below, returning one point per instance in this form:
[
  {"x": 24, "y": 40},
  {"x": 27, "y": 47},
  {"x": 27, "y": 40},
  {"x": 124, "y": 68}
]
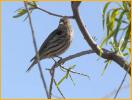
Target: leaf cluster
[{"x": 117, "y": 22}]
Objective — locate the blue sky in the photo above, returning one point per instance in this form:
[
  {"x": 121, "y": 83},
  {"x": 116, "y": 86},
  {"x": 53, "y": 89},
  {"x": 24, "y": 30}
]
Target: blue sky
[{"x": 17, "y": 50}]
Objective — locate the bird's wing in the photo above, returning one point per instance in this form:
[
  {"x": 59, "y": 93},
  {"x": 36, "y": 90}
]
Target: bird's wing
[
  {"x": 50, "y": 37},
  {"x": 45, "y": 43}
]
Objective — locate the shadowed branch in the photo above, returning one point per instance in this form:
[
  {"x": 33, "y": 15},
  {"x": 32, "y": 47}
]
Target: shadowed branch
[{"x": 104, "y": 53}]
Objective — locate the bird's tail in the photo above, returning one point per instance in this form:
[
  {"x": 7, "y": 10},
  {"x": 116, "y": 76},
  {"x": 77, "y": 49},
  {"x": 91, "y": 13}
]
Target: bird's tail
[{"x": 30, "y": 67}]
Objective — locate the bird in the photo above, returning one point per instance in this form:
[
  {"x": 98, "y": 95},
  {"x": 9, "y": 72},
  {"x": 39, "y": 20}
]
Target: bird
[{"x": 56, "y": 43}]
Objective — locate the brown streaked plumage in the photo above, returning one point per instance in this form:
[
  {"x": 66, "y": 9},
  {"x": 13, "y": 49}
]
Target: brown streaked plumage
[{"x": 56, "y": 43}]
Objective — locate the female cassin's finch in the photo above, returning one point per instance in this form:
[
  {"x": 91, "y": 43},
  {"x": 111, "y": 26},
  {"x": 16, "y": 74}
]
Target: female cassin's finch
[{"x": 57, "y": 42}]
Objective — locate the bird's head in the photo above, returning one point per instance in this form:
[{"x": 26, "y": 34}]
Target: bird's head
[{"x": 64, "y": 21}]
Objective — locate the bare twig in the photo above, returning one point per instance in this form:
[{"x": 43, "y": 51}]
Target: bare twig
[
  {"x": 82, "y": 53},
  {"x": 115, "y": 90},
  {"x": 73, "y": 56},
  {"x": 52, "y": 73},
  {"x": 119, "y": 88},
  {"x": 53, "y": 14},
  {"x": 74, "y": 72},
  {"x": 106, "y": 54},
  {"x": 35, "y": 47}
]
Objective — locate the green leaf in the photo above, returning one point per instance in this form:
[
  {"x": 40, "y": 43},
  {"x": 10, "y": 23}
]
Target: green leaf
[
  {"x": 100, "y": 51},
  {"x": 20, "y": 12},
  {"x": 128, "y": 14},
  {"x": 113, "y": 17},
  {"x": 32, "y": 4},
  {"x": 127, "y": 36},
  {"x": 106, "y": 66},
  {"x": 127, "y": 8},
  {"x": 107, "y": 38},
  {"x": 110, "y": 19},
  {"x": 108, "y": 22},
  {"x": 104, "y": 12},
  {"x": 63, "y": 78},
  {"x": 125, "y": 54},
  {"x": 72, "y": 79},
  {"x": 129, "y": 49},
  {"x": 124, "y": 3},
  {"x": 67, "y": 74},
  {"x": 118, "y": 27},
  {"x": 114, "y": 32},
  {"x": 72, "y": 67}
]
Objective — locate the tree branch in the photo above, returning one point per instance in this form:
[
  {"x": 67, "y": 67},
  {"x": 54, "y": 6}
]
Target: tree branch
[
  {"x": 62, "y": 61},
  {"x": 106, "y": 54},
  {"x": 53, "y": 14},
  {"x": 35, "y": 47},
  {"x": 52, "y": 73},
  {"x": 75, "y": 56},
  {"x": 121, "y": 84},
  {"x": 115, "y": 90}
]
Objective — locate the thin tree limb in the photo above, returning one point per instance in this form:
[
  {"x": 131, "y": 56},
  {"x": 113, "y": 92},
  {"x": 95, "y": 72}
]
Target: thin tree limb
[
  {"x": 106, "y": 54},
  {"x": 52, "y": 73},
  {"x": 53, "y": 14},
  {"x": 74, "y": 72},
  {"x": 62, "y": 61},
  {"x": 35, "y": 47},
  {"x": 121, "y": 84},
  {"x": 115, "y": 90},
  {"x": 75, "y": 56}
]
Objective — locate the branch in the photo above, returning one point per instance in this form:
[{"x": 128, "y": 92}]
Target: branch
[
  {"x": 53, "y": 14},
  {"x": 35, "y": 47},
  {"x": 75, "y": 56},
  {"x": 62, "y": 61},
  {"x": 121, "y": 84},
  {"x": 74, "y": 72},
  {"x": 106, "y": 54},
  {"x": 115, "y": 90},
  {"x": 52, "y": 73}
]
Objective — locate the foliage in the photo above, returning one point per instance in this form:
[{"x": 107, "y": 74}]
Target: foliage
[
  {"x": 117, "y": 23},
  {"x": 23, "y": 11}
]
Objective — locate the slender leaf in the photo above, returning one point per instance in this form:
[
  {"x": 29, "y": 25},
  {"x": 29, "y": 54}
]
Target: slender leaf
[
  {"x": 118, "y": 27},
  {"x": 124, "y": 3},
  {"x": 63, "y": 78},
  {"x": 108, "y": 22},
  {"x": 32, "y": 4},
  {"x": 114, "y": 32},
  {"x": 127, "y": 36},
  {"x": 104, "y": 12},
  {"x": 107, "y": 38},
  {"x": 100, "y": 51},
  {"x": 125, "y": 54},
  {"x": 106, "y": 66},
  {"x": 72, "y": 79},
  {"x": 72, "y": 67},
  {"x": 20, "y": 12},
  {"x": 114, "y": 14}
]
